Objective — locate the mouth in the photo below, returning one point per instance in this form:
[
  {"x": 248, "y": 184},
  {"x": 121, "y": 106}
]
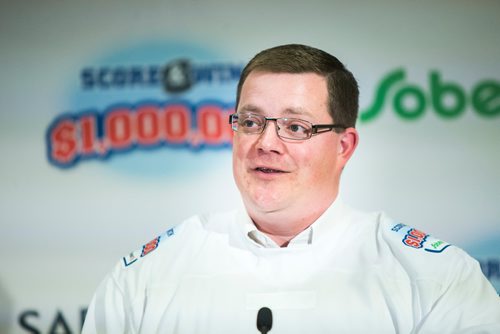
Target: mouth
[{"x": 267, "y": 170}]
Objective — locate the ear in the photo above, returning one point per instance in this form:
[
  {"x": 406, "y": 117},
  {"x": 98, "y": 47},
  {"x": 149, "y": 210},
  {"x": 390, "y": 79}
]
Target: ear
[{"x": 348, "y": 143}]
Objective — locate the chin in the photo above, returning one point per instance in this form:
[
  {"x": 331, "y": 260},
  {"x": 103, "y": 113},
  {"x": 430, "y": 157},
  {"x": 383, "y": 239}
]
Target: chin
[{"x": 264, "y": 203}]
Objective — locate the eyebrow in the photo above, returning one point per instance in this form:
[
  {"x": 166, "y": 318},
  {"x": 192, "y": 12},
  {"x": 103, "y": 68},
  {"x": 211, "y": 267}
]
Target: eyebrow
[
  {"x": 250, "y": 108},
  {"x": 288, "y": 111}
]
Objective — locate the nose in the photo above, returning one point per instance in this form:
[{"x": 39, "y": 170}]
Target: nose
[{"x": 269, "y": 140}]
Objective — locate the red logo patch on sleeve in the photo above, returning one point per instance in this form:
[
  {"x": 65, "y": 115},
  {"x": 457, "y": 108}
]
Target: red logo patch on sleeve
[{"x": 150, "y": 246}]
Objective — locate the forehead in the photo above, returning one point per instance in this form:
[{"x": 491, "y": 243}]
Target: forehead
[{"x": 278, "y": 94}]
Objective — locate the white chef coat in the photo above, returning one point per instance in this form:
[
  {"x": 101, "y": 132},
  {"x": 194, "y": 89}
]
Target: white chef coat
[{"x": 349, "y": 272}]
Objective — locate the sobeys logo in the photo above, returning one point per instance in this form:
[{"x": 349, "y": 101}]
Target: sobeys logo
[{"x": 448, "y": 99}]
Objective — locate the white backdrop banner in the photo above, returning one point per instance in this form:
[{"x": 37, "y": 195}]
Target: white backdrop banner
[{"x": 114, "y": 127}]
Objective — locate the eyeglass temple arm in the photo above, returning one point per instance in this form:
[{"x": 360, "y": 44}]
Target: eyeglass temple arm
[{"x": 320, "y": 128}]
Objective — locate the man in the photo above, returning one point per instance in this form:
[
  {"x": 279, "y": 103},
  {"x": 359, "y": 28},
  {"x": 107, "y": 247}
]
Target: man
[{"x": 319, "y": 266}]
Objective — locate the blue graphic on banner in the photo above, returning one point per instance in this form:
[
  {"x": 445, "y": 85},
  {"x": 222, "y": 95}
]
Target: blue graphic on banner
[{"x": 156, "y": 98}]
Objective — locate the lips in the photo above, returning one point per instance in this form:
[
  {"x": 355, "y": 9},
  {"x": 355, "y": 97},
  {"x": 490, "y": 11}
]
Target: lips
[{"x": 268, "y": 170}]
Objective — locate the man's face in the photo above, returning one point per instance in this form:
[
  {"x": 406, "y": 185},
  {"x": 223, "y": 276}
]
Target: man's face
[{"x": 275, "y": 175}]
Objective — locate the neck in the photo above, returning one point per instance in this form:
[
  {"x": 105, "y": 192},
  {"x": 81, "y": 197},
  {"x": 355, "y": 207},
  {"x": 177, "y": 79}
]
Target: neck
[
  {"x": 281, "y": 237},
  {"x": 284, "y": 225}
]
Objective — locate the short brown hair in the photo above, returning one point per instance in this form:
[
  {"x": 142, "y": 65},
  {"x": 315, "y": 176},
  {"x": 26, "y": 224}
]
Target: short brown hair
[{"x": 342, "y": 87}]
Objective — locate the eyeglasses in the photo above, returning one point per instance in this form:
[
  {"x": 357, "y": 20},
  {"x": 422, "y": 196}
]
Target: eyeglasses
[{"x": 286, "y": 128}]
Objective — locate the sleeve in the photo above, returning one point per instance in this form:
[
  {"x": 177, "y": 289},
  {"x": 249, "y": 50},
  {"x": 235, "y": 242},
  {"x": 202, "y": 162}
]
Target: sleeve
[
  {"x": 468, "y": 304},
  {"x": 107, "y": 312},
  {"x": 119, "y": 303}
]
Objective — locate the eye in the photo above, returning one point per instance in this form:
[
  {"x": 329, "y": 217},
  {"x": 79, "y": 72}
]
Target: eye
[
  {"x": 299, "y": 127},
  {"x": 250, "y": 122},
  {"x": 295, "y": 128}
]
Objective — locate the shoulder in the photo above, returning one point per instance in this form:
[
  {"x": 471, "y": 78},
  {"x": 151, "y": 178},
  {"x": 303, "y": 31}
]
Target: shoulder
[
  {"x": 167, "y": 257},
  {"x": 446, "y": 282},
  {"x": 408, "y": 238},
  {"x": 421, "y": 255},
  {"x": 151, "y": 246},
  {"x": 178, "y": 241}
]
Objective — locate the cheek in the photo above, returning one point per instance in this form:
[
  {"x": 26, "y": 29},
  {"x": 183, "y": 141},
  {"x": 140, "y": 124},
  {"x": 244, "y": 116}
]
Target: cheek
[
  {"x": 237, "y": 151},
  {"x": 326, "y": 168},
  {"x": 320, "y": 165},
  {"x": 238, "y": 158}
]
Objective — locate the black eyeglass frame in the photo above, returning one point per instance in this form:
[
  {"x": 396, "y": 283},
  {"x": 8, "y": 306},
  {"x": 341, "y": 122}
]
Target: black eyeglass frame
[{"x": 316, "y": 129}]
